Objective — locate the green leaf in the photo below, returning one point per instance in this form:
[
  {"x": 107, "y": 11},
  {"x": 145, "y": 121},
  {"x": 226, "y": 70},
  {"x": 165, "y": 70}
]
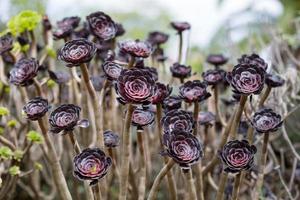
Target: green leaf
[
  {"x": 18, "y": 155},
  {"x": 12, "y": 123},
  {"x": 38, "y": 166},
  {"x": 5, "y": 153},
  {"x": 51, "y": 52},
  {"x": 1, "y": 130},
  {"x": 14, "y": 170},
  {"x": 51, "y": 83},
  {"x": 35, "y": 137},
  {"x": 25, "y": 20},
  {"x": 4, "y": 111}
]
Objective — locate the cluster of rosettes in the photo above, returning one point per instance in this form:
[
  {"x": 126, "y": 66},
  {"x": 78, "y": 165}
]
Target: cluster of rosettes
[
  {"x": 64, "y": 118},
  {"x": 77, "y": 52},
  {"x": 102, "y": 26},
  {"x": 135, "y": 86},
  {"x": 178, "y": 120},
  {"x": 214, "y": 76},
  {"x": 184, "y": 148},
  {"x": 142, "y": 118},
  {"x": 36, "y": 108},
  {"x": 266, "y": 121},
  {"x": 91, "y": 164},
  {"x": 136, "y": 48},
  {"x": 194, "y": 91},
  {"x": 24, "y": 71},
  {"x": 237, "y": 156}
]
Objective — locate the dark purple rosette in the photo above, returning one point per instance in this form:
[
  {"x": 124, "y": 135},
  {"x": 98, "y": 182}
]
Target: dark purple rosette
[
  {"x": 184, "y": 148},
  {"x": 136, "y": 48},
  {"x": 24, "y": 71},
  {"x": 6, "y": 43},
  {"x": 214, "y": 76},
  {"x": 62, "y": 32},
  {"x": 194, "y": 91},
  {"x": 253, "y": 59},
  {"x": 65, "y": 118},
  {"x": 59, "y": 77},
  {"x": 72, "y": 22},
  {"x": 76, "y": 52},
  {"x": 266, "y": 121},
  {"x": 36, "y": 108},
  {"x": 153, "y": 71},
  {"x": 172, "y": 103},
  {"x": 237, "y": 156},
  {"x": 112, "y": 70},
  {"x": 178, "y": 120},
  {"x": 120, "y": 30},
  {"x": 162, "y": 91},
  {"x": 206, "y": 118},
  {"x": 102, "y": 26},
  {"x": 142, "y": 118},
  {"x": 273, "y": 80},
  {"x": 157, "y": 38},
  {"x": 180, "y": 71},
  {"x": 246, "y": 79},
  {"x": 111, "y": 139},
  {"x": 91, "y": 164},
  {"x": 216, "y": 59},
  {"x": 180, "y": 26},
  {"x": 135, "y": 86}
]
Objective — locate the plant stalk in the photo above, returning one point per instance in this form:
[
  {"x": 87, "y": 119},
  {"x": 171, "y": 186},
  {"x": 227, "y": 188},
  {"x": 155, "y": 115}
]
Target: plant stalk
[
  {"x": 142, "y": 176},
  {"x": 191, "y": 184}
]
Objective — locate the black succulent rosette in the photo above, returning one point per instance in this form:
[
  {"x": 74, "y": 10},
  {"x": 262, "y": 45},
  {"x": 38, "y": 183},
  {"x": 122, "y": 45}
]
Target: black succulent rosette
[
  {"x": 65, "y": 118},
  {"x": 142, "y": 118},
  {"x": 206, "y": 118},
  {"x": 214, "y": 76},
  {"x": 178, "y": 120},
  {"x": 112, "y": 70},
  {"x": 102, "y": 26},
  {"x": 36, "y": 108},
  {"x": 6, "y": 43},
  {"x": 194, "y": 91},
  {"x": 266, "y": 121},
  {"x": 157, "y": 38},
  {"x": 180, "y": 71},
  {"x": 120, "y": 30},
  {"x": 253, "y": 59},
  {"x": 111, "y": 139},
  {"x": 62, "y": 32},
  {"x": 273, "y": 80},
  {"x": 153, "y": 71},
  {"x": 135, "y": 86},
  {"x": 172, "y": 103},
  {"x": 76, "y": 52},
  {"x": 237, "y": 156},
  {"x": 162, "y": 91},
  {"x": 59, "y": 77},
  {"x": 180, "y": 26},
  {"x": 24, "y": 71},
  {"x": 136, "y": 48},
  {"x": 184, "y": 148},
  {"x": 71, "y": 22},
  {"x": 216, "y": 59},
  {"x": 246, "y": 79},
  {"x": 81, "y": 33},
  {"x": 91, "y": 164}
]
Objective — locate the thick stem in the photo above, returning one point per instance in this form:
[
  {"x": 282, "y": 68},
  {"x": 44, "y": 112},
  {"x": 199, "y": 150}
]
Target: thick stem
[
  {"x": 33, "y": 49},
  {"x": 125, "y": 154},
  {"x": 38, "y": 87},
  {"x": 74, "y": 142},
  {"x": 180, "y": 47},
  {"x": 261, "y": 167},
  {"x": 131, "y": 62},
  {"x": 170, "y": 176},
  {"x": 264, "y": 97},
  {"x": 191, "y": 185},
  {"x": 196, "y": 113},
  {"x": 222, "y": 184},
  {"x": 55, "y": 166},
  {"x": 159, "y": 178},
  {"x": 216, "y": 105},
  {"x": 142, "y": 176},
  {"x": 236, "y": 186},
  {"x": 95, "y": 100}
]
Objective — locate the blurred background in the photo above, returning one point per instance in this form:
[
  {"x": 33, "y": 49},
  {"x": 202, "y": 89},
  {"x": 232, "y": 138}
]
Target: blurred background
[{"x": 270, "y": 28}]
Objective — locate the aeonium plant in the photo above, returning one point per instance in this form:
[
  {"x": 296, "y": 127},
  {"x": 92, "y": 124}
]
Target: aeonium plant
[
  {"x": 184, "y": 148},
  {"x": 194, "y": 91},
  {"x": 6, "y": 43},
  {"x": 237, "y": 156},
  {"x": 178, "y": 120},
  {"x": 65, "y": 118},
  {"x": 214, "y": 76},
  {"x": 91, "y": 164},
  {"x": 111, "y": 139},
  {"x": 216, "y": 60},
  {"x": 142, "y": 118},
  {"x": 36, "y": 108},
  {"x": 162, "y": 91},
  {"x": 136, "y": 48}
]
